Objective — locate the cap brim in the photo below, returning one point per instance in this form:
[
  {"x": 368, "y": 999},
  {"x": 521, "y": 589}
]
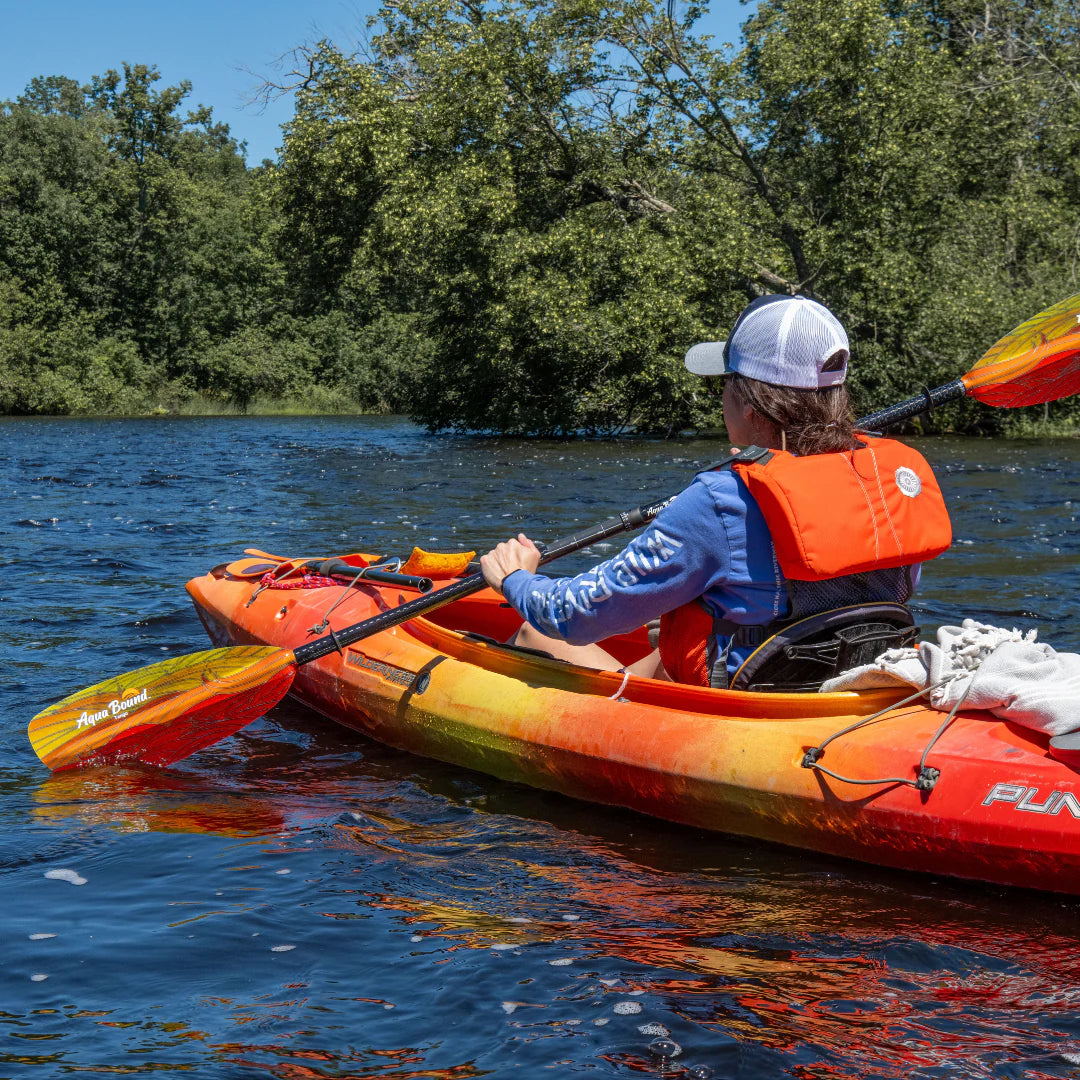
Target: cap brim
[{"x": 706, "y": 358}]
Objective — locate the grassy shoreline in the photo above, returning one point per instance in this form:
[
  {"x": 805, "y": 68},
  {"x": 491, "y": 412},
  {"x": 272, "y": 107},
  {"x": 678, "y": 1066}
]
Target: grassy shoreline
[
  {"x": 1021, "y": 427},
  {"x": 266, "y": 407},
  {"x": 1017, "y": 426}
]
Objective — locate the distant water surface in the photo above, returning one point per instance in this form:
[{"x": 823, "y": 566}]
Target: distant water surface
[{"x": 298, "y": 903}]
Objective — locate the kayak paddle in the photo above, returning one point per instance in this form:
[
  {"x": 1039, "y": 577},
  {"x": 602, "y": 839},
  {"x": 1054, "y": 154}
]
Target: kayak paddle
[
  {"x": 164, "y": 712},
  {"x": 1033, "y": 364}
]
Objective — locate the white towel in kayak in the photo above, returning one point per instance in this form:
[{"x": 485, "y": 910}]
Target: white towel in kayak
[{"x": 1004, "y": 672}]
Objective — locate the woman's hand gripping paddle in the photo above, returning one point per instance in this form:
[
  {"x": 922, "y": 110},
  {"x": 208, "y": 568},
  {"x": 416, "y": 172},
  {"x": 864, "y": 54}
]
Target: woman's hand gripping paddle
[{"x": 162, "y": 713}]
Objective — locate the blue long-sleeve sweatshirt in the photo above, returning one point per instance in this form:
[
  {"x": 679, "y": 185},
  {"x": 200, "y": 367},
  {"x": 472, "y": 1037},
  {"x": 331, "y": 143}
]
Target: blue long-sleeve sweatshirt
[{"x": 710, "y": 542}]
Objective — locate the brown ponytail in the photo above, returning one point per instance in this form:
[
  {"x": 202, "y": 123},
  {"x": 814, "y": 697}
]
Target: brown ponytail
[{"x": 817, "y": 421}]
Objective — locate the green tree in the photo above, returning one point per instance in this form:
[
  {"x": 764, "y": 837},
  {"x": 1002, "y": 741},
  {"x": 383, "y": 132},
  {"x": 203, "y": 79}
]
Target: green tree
[
  {"x": 173, "y": 198},
  {"x": 911, "y": 164},
  {"x": 516, "y": 215},
  {"x": 132, "y": 239},
  {"x": 479, "y": 171}
]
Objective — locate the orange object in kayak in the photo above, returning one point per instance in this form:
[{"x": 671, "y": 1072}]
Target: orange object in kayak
[
  {"x": 684, "y": 643},
  {"x": 830, "y": 515},
  {"x": 1001, "y": 809}
]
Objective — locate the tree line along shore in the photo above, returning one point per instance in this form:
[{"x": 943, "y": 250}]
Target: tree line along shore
[{"x": 516, "y": 215}]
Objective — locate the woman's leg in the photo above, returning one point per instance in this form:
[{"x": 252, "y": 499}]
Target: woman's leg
[
  {"x": 587, "y": 655},
  {"x": 651, "y": 667}
]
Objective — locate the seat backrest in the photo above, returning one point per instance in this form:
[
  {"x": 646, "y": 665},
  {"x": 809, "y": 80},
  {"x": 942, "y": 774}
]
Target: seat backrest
[{"x": 802, "y": 655}]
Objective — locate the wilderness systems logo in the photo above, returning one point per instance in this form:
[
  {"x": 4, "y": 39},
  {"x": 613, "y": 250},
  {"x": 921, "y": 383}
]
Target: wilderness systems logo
[
  {"x": 1022, "y": 797},
  {"x": 117, "y": 708},
  {"x": 415, "y": 681}
]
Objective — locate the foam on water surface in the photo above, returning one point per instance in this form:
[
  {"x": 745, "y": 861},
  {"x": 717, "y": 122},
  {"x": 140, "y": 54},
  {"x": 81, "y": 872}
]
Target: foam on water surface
[{"x": 72, "y": 876}]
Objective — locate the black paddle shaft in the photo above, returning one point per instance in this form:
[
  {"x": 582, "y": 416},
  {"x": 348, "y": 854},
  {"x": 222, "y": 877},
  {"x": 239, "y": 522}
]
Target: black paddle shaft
[
  {"x": 624, "y": 522},
  {"x": 905, "y": 410},
  {"x": 340, "y": 568}
]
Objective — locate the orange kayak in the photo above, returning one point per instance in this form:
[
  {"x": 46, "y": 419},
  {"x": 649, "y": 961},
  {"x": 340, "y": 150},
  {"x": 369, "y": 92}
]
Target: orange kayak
[{"x": 1001, "y": 810}]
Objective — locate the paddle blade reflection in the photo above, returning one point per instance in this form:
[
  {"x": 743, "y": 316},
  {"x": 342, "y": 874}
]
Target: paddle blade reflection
[{"x": 143, "y": 801}]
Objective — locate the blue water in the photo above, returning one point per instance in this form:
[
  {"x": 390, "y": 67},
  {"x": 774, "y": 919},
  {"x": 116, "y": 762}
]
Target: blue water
[{"x": 295, "y": 902}]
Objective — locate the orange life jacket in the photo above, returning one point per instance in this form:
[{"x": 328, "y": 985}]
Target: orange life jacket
[
  {"x": 845, "y": 513},
  {"x": 829, "y": 516}
]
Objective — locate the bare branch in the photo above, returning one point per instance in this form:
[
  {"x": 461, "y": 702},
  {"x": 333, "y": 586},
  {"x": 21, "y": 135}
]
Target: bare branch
[{"x": 793, "y": 288}]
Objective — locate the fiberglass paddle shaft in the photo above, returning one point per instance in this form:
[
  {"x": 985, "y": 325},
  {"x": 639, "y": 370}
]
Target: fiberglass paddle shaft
[
  {"x": 627, "y": 521},
  {"x": 905, "y": 410}
]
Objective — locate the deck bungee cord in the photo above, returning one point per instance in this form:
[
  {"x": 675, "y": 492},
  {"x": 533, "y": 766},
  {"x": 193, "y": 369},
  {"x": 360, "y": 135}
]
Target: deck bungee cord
[
  {"x": 323, "y": 573},
  {"x": 926, "y": 777},
  {"x": 1006, "y": 673}
]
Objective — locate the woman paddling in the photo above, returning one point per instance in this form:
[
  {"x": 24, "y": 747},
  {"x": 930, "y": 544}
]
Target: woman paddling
[{"x": 813, "y": 519}]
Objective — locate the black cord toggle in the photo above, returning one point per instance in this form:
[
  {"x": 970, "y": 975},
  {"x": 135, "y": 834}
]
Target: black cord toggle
[
  {"x": 811, "y": 757},
  {"x": 927, "y": 778}
]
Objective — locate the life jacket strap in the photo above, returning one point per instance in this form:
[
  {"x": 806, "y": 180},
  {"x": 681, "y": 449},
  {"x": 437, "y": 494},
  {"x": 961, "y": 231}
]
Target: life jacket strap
[
  {"x": 752, "y": 455},
  {"x": 748, "y": 636}
]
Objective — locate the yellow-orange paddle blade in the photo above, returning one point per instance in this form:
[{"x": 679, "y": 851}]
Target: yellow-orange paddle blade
[
  {"x": 162, "y": 713},
  {"x": 1038, "y": 362}
]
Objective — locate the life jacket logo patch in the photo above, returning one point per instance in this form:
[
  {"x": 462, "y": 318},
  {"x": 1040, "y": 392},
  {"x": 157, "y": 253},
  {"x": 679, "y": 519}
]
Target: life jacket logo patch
[{"x": 907, "y": 480}]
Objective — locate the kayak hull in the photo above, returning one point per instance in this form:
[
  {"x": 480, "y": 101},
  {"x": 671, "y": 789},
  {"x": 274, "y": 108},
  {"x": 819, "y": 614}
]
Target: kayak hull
[{"x": 1002, "y": 811}]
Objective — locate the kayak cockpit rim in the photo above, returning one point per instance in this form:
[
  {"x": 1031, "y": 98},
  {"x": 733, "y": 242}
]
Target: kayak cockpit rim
[{"x": 535, "y": 670}]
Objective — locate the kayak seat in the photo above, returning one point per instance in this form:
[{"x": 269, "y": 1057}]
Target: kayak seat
[{"x": 800, "y": 656}]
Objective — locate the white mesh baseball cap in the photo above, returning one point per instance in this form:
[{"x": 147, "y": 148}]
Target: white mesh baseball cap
[{"x": 779, "y": 339}]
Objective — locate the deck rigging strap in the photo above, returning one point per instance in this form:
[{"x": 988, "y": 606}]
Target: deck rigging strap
[
  {"x": 312, "y": 579},
  {"x": 269, "y": 578},
  {"x": 393, "y": 566},
  {"x": 926, "y": 776}
]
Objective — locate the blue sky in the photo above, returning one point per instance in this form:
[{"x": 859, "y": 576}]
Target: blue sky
[{"x": 223, "y": 48}]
